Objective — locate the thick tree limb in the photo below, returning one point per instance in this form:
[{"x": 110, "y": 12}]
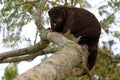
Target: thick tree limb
[
  {"x": 20, "y": 58},
  {"x": 60, "y": 64},
  {"x": 13, "y": 56},
  {"x": 29, "y": 50}
]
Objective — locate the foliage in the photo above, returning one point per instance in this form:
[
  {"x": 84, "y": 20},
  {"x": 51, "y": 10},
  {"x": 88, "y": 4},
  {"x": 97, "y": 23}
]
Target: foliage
[
  {"x": 110, "y": 12},
  {"x": 13, "y": 17},
  {"x": 110, "y": 22},
  {"x": 105, "y": 68},
  {"x": 11, "y": 72}
]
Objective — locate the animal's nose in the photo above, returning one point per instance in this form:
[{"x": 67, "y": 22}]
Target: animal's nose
[
  {"x": 59, "y": 20},
  {"x": 54, "y": 25}
]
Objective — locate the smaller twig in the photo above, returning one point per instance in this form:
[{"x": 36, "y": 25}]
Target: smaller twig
[
  {"x": 89, "y": 74},
  {"x": 66, "y": 3},
  {"x": 26, "y": 2},
  {"x": 35, "y": 37},
  {"x": 19, "y": 14}
]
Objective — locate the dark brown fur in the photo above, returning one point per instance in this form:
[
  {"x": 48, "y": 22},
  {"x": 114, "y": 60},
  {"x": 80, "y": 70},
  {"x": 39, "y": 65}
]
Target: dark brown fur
[{"x": 80, "y": 22}]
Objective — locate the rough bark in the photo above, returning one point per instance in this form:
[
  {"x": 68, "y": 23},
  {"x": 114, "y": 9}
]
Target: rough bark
[
  {"x": 60, "y": 64},
  {"x": 23, "y": 51}
]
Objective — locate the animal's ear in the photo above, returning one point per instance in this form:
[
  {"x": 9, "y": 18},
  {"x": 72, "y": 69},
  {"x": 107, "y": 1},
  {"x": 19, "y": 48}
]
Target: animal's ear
[{"x": 48, "y": 12}]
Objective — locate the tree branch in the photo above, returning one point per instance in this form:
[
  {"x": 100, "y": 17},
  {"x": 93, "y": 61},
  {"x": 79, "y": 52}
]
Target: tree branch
[
  {"x": 20, "y": 58},
  {"x": 29, "y": 50},
  {"x": 58, "y": 66},
  {"x": 27, "y": 56}
]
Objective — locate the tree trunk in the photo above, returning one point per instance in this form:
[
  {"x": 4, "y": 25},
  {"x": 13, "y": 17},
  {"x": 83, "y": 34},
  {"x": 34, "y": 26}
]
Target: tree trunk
[{"x": 60, "y": 64}]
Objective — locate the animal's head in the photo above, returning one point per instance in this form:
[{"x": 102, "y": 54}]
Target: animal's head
[{"x": 57, "y": 17}]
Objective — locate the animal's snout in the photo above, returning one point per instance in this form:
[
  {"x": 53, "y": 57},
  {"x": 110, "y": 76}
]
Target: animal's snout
[
  {"x": 59, "y": 20},
  {"x": 53, "y": 25}
]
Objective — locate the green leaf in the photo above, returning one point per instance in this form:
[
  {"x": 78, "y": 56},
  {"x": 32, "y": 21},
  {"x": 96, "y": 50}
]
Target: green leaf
[
  {"x": 105, "y": 23},
  {"x": 117, "y": 34}
]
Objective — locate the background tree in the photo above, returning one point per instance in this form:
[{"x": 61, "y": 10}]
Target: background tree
[{"x": 16, "y": 13}]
